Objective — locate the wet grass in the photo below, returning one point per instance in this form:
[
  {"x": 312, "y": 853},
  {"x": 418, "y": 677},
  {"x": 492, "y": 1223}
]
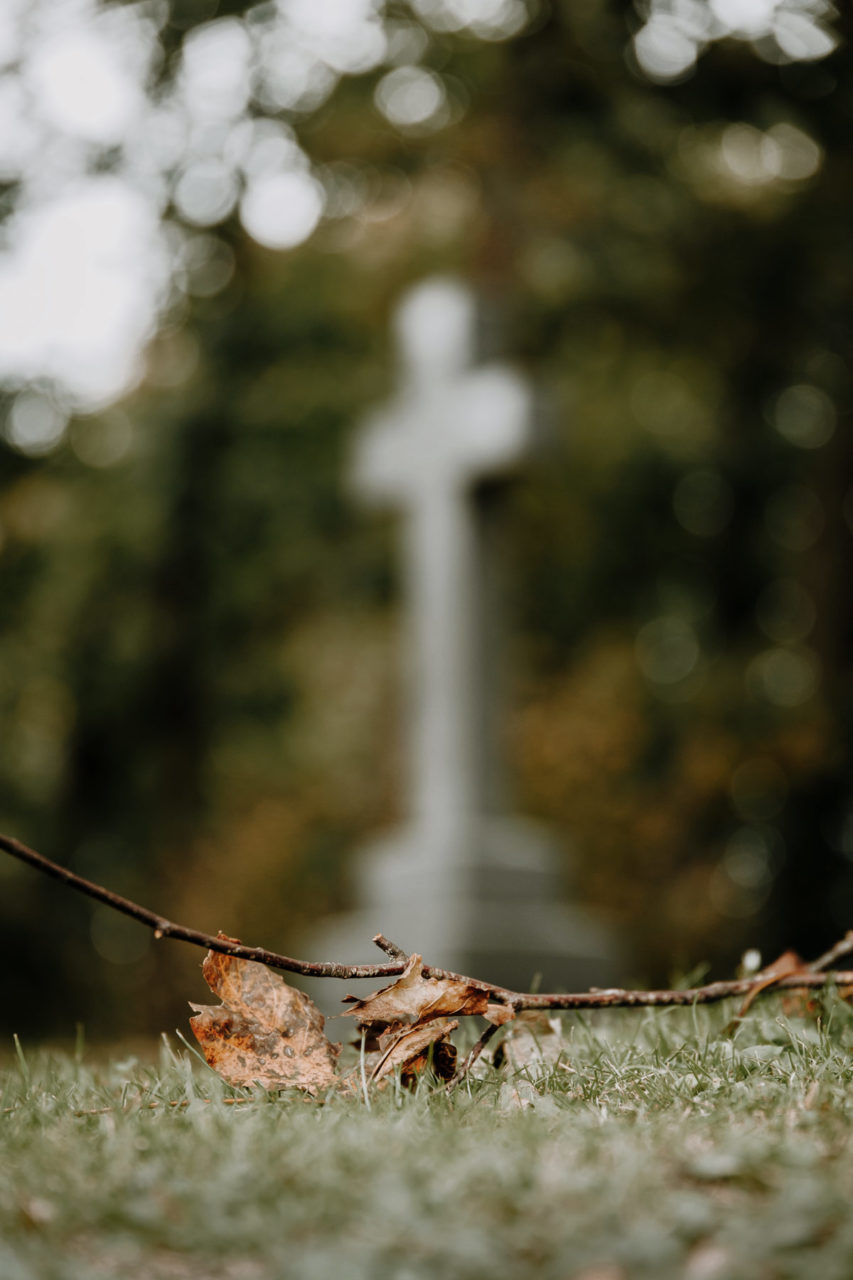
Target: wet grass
[{"x": 656, "y": 1148}]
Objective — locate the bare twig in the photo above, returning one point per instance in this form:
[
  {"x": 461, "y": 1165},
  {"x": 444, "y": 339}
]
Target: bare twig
[
  {"x": 164, "y": 928},
  {"x": 610, "y": 998},
  {"x": 390, "y": 948},
  {"x": 617, "y": 998},
  {"x": 468, "y": 1062}
]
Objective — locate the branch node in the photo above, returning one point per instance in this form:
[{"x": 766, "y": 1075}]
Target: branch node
[{"x": 390, "y": 948}]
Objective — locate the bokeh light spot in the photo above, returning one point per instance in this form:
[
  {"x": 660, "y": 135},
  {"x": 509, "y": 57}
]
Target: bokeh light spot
[
  {"x": 407, "y": 42},
  {"x": 346, "y": 189},
  {"x": 268, "y": 146},
  {"x": 102, "y": 442},
  {"x": 760, "y": 844},
  {"x": 281, "y": 210},
  {"x": 748, "y": 18},
  {"x": 81, "y": 87},
  {"x": 664, "y": 50},
  {"x": 215, "y": 69},
  {"x": 487, "y": 19},
  {"x": 703, "y": 502},
  {"x": 664, "y": 401},
  {"x": 288, "y": 77},
  {"x": 745, "y": 155},
  {"x": 412, "y": 98},
  {"x": 805, "y": 416},
  {"x": 801, "y": 39},
  {"x": 731, "y": 897},
  {"x": 790, "y": 153},
  {"x": 35, "y": 424},
  {"x": 794, "y": 517},
  {"x": 785, "y": 611},
  {"x": 667, "y": 649},
  {"x": 206, "y": 192},
  {"x": 758, "y": 789},
  {"x": 744, "y": 876},
  {"x": 346, "y": 35},
  {"x": 209, "y": 265},
  {"x": 785, "y": 677},
  {"x": 172, "y": 357},
  {"x": 80, "y": 288}
]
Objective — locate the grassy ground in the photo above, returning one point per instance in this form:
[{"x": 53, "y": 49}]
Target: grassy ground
[{"x": 660, "y": 1148}]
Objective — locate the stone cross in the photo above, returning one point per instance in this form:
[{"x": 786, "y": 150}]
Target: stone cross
[
  {"x": 468, "y": 886},
  {"x": 452, "y": 428}
]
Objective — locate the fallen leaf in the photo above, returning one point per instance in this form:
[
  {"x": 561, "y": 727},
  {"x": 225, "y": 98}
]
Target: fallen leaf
[
  {"x": 414, "y": 998},
  {"x": 533, "y": 1043},
  {"x": 801, "y": 1004},
  {"x": 808, "y": 1004},
  {"x": 408, "y": 1048},
  {"x": 499, "y": 1014},
  {"x": 784, "y": 966},
  {"x": 264, "y": 1032}
]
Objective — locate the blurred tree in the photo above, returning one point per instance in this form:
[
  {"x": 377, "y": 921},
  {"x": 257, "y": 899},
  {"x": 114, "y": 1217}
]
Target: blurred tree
[{"x": 198, "y": 629}]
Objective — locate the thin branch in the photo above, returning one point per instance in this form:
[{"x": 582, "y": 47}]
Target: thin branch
[
  {"x": 468, "y": 1062},
  {"x": 390, "y": 948},
  {"x": 611, "y": 998},
  {"x": 617, "y": 998},
  {"x": 164, "y": 928}
]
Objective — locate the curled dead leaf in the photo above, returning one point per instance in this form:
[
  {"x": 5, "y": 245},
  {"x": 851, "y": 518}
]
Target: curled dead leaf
[
  {"x": 264, "y": 1032},
  {"x": 499, "y": 1014},
  {"x": 409, "y": 1049},
  {"x": 784, "y": 966},
  {"x": 415, "y": 999}
]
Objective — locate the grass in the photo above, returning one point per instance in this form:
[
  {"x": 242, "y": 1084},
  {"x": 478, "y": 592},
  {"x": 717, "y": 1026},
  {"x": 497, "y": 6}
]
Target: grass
[{"x": 655, "y": 1146}]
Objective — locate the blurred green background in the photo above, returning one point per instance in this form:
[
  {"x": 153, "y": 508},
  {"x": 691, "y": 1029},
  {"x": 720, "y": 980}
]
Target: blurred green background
[{"x": 198, "y": 627}]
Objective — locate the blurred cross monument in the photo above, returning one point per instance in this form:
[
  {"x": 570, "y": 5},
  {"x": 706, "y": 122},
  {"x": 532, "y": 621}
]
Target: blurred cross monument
[{"x": 463, "y": 882}]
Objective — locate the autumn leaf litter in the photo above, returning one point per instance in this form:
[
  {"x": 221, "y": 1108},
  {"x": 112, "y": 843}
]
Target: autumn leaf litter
[{"x": 268, "y": 1033}]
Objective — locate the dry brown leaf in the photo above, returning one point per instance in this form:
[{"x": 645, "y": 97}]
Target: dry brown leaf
[
  {"x": 799, "y": 1004},
  {"x": 499, "y": 1014},
  {"x": 414, "y": 998},
  {"x": 784, "y": 966},
  {"x": 264, "y": 1031},
  {"x": 409, "y": 1049}
]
